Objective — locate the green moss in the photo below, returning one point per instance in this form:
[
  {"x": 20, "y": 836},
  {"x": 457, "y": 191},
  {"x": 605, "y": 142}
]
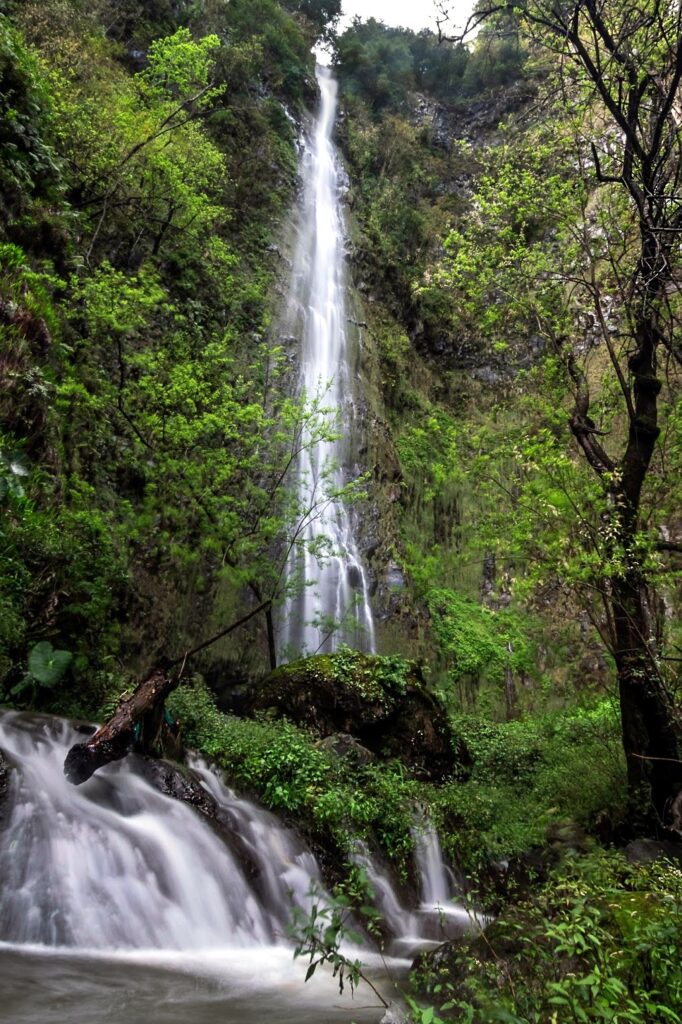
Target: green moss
[{"x": 373, "y": 677}]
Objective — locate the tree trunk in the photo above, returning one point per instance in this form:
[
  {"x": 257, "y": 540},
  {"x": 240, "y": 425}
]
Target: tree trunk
[
  {"x": 649, "y": 734},
  {"x": 510, "y": 694},
  {"x": 272, "y": 646}
]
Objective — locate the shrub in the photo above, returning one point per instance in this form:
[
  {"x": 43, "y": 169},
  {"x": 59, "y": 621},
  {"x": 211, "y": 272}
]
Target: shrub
[{"x": 601, "y": 941}]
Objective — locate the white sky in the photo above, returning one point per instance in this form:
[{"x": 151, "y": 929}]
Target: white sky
[{"x": 414, "y": 14}]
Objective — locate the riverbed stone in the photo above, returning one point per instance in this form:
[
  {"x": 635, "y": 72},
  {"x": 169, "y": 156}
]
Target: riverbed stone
[
  {"x": 5, "y": 778},
  {"x": 395, "y": 1014},
  {"x": 177, "y": 781},
  {"x": 646, "y": 851}
]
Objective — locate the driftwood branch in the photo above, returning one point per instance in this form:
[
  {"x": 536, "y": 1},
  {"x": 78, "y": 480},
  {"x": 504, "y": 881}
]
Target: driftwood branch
[
  {"x": 113, "y": 740},
  {"x": 138, "y": 719}
]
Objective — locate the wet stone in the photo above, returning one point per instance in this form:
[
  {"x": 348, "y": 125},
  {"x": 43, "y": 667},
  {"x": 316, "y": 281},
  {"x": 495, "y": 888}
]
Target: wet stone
[
  {"x": 172, "y": 780},
  {"x": 5, "y": 779},
  {"x": 395, "y": 1014}
]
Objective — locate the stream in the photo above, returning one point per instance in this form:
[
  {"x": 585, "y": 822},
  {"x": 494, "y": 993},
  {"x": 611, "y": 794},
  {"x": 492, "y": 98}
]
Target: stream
[
  {"x": 120, "y": 903},
  {"x": 220, "y": 987}
]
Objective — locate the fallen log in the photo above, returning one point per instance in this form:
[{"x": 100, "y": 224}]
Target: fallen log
[
  {"x": 114, "y": 739},
  {"x": 138, "y": 720}
]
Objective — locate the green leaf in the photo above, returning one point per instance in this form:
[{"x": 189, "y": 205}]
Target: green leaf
[{"x": 46, "y": 665}]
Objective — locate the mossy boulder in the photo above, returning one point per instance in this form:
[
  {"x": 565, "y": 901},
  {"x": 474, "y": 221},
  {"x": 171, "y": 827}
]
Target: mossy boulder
[{"x": 383, "y": 702}]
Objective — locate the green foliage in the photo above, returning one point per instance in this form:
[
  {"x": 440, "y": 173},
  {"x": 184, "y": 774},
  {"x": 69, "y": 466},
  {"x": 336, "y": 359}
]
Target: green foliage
[
  {"x": 28, "y": 163},
  {"x": 384, "y": 65},
  {"x": 180, "y": 68},
  {"x": 376, "y": 678},
  {"x": 400, "y": 201},
  {"x": 62, "y": 572},
  {"x": 138, "y": 395},
  {"x": 475, "y": 641},
  {"x": 376, "y": 61},
  {"x": 322, "y": 14},
  {"x": 46, "y": 665},
  {"x": 501, "y": 268},
  {"x": 280, "y": 765},
  {"x": 600, "y": 942},
  {"x": 531, "y": 779},
  {"x": 498, "y": 56},
  {"x": 319, "y": 935},
  {"x": 275, "y": 36}
]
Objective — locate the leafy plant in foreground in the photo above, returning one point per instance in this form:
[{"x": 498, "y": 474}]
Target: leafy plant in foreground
[{"x": 319, "y": 935}]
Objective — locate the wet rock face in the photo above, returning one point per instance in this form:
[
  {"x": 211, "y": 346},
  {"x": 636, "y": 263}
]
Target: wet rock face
[
  {"x": 647, "y": 851},
  {"x": 5, "y": 778},
  {"x": 175, "y": 781},
  {"x": 381, "y": 703}
]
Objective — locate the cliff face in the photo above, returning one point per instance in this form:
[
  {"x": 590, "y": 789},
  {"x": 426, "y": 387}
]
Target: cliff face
[
  {"x": 413, "y": 174},
  {"x": 438, "y": 179}
]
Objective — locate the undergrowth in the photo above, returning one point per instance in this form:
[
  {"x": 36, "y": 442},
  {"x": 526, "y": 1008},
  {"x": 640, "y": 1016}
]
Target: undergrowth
[
  {"x": 601, "y": 941},
  {"x": 528, "y": 780},
  {"x": 531, "y": 780},
  {"x": 280, "y": 765}
]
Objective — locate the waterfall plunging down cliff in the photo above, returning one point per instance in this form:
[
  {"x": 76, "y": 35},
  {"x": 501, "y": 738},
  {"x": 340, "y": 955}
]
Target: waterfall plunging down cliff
[{"x": 334, "y": 587}]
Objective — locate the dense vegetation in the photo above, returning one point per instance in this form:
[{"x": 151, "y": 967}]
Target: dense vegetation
[
  {"x": 514, "y": 229},
  {"x": 145, "y": 423}
]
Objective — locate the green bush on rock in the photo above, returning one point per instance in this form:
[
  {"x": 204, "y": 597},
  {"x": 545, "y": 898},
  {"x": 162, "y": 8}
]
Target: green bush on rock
[
  {"x": 332, "y": 799},
  {"x": 381, "y": 701}
]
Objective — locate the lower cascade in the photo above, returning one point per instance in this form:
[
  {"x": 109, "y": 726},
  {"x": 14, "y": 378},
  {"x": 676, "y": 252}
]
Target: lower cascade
[{"x": 116, "y": 866}]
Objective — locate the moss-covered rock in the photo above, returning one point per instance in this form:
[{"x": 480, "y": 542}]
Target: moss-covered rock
[{"x": 381, "y": 701}]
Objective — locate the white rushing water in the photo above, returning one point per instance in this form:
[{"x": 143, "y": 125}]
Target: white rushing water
[
  {"x": 438, "y": 917},
  {"x": 117, "y": 865},
  {"x": 332, "y": 605},
  {"x": 115, "y": 898},
  {"x": 121, "y": 904}
]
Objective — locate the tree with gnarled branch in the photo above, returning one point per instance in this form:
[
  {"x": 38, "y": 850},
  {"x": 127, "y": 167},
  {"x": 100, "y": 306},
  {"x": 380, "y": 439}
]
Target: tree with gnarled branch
[{"x": 628, "y": 57}]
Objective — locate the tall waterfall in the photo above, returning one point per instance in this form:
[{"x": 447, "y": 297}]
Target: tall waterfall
[{"x": 332, "y": 605}]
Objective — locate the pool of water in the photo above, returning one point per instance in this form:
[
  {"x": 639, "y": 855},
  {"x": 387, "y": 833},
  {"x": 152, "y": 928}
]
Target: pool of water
[{"x": 255, "y": 986}]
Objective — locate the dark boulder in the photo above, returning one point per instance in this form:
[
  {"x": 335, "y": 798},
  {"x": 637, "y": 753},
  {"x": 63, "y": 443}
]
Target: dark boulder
[
  {"x": 176, "y": 781},
  {"x": 5, "y": 779},
  {"x": 647, "y": 851},
  {"x": 382, "y": 702}
]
